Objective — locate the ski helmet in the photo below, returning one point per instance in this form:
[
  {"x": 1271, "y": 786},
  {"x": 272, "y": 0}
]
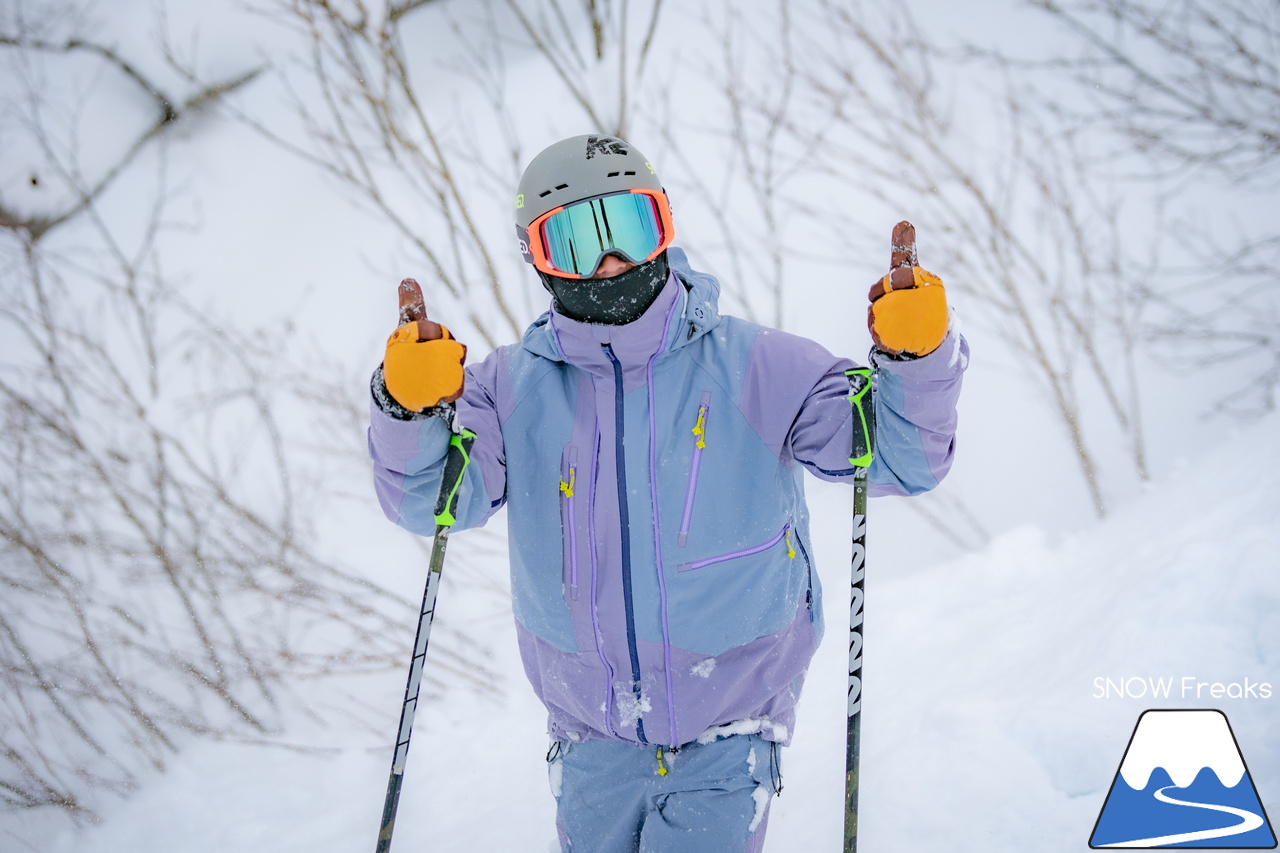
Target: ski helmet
[{"x": 581, "y": 199}]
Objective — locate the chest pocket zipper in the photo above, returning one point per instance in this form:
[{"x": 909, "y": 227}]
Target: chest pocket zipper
[
  {"x": 567, "y": 487},
  {"x": 695, "y": 465}
]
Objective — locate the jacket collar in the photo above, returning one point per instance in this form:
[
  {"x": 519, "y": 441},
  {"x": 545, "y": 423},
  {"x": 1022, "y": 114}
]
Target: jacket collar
[{"x": 685, "y": 309}]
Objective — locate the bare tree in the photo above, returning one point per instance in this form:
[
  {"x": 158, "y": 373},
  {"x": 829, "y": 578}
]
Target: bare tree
[
  {"x": 1031, "y": 243},
  {"x": 739, "y": 168},
  {"x": 1193, "y": 88},
  {"x": 158, "y": 553},
  {"x": 796, "y": 120},
  {"x": 1194, "y": 83},
  {"x": 1224, "y": 315},
  {"x": 431, "y": 146}
]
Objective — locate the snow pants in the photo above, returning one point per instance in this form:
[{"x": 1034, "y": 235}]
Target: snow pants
[{"x": 614, "y": 797}]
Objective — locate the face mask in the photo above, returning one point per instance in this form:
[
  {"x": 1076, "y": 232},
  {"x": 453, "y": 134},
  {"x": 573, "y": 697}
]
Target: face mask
[{"x": 609, "y": 301}]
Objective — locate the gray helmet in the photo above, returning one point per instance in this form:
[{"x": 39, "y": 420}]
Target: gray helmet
[
  {"x": 573, "y": 170},
  {"x": 577, "y": 168}
]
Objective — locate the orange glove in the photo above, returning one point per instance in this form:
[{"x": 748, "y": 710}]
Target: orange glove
[
  {"x": 423, "y": 364},
  {"x": 908, "y": 312}
]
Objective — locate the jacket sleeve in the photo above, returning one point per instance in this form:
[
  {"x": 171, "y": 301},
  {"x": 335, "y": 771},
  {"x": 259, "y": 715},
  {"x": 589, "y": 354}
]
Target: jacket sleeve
[
  {"x": 408, "y": 456},
  {"x": 915, "y": 420},
  {"x": 915, "y": 411}
]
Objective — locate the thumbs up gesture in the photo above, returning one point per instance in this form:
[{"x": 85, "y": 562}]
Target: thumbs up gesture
[
  {"x": 423, "y": 364},
  {"x": 908, "y": 312}
]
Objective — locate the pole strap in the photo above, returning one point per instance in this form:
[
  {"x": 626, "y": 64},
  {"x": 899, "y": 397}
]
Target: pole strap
[
  {"x": 455, "y": 468},
  {"x": 862, "y": 451}
]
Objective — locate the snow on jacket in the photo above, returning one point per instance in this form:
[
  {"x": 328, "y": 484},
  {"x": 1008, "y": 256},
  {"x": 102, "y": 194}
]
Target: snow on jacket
[{"x": 661, "y": 573}]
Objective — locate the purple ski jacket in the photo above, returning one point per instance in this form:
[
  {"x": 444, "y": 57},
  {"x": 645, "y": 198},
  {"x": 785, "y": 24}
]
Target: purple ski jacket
[{"x": 661, "y": 574}]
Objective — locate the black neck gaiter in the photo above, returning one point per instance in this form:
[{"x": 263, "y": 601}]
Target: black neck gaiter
[{"x": 609, "y": 301}]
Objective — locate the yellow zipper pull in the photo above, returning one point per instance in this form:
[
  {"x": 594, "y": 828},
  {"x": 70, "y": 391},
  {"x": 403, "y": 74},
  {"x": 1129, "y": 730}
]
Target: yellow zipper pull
[
  {"x": 700, "y": 428},
  {"x": 662, "y": 768},
  {"x": 791, "y": 552},
  {"x": 567, "y": 488}
]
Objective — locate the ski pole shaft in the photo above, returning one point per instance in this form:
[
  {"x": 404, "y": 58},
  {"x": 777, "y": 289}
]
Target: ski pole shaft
[
  {"x": 860, "y": 458},
  {"x": 456, "y": 461},
  {"x": 853, "y": 738}
]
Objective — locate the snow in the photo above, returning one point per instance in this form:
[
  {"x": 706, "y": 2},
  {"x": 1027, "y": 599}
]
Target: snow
[
  {"x": 983, "y": 727},
  {"x": 749, "y": 726},
  {"x": 555, "y": 777},
  {"x": 981, "y": 716},
  {"x": 761, "y": 797},
  {"x": 629, "y": 705},
  {"x": 703, "y": 668}
]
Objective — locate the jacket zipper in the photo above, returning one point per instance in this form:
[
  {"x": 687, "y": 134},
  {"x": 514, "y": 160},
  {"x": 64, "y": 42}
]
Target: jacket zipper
[
  {"x": 784, "y": 533},
  {"x": 567, "y": 487},
  {"x": 593, "y": 550},
  {"x": 624, "y": 524},
  {"x": 695, "y": 465}
]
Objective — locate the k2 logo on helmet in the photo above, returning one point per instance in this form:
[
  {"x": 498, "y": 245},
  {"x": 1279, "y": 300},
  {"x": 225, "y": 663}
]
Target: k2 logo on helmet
[
  {"x": 604, "y": 145},
  {"x": 1183, "y": 783}
]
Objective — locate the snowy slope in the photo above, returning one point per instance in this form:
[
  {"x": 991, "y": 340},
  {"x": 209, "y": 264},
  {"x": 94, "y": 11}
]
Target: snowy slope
[{"x": 982, "y": 729}]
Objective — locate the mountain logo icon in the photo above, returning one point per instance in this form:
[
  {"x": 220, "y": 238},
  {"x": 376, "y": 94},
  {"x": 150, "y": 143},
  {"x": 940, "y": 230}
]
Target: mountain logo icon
[{"x": 1183, "y": 783}]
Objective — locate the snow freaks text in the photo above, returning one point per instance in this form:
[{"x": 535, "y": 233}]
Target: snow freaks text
[{"x": 1185, "y": 687}]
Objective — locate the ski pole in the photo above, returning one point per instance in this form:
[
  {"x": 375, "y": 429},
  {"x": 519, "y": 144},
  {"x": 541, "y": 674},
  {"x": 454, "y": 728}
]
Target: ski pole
[
  {"x": 456, "y": 462},
  {"x": 863, "y": 429}
]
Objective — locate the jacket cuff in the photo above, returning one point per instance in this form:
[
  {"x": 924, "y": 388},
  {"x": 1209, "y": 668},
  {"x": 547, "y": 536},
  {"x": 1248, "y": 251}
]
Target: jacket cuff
[{"x": 949, "y": 359}]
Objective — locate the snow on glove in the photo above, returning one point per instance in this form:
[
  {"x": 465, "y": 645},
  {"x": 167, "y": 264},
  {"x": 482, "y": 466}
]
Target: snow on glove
[
  {"x": 423, "y": 364},
  {"x": 908, "y": 312}
]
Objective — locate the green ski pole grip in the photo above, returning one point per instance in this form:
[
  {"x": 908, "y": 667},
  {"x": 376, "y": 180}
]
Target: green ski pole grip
[
  {"x": 863, "y": 417},
  {"x": 455, "y": 468}
]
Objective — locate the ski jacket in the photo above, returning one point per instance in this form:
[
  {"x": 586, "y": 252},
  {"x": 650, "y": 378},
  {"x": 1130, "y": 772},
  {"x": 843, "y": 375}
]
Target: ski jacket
[{"x": 661, "y": 574}]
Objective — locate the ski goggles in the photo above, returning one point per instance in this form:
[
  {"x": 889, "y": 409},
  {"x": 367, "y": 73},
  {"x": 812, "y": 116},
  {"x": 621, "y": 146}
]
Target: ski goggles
[{"x": 571, "y": 241}]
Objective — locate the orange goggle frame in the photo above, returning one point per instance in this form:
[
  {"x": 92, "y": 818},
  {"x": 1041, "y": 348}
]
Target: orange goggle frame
[{"x": 594, "y": 230}]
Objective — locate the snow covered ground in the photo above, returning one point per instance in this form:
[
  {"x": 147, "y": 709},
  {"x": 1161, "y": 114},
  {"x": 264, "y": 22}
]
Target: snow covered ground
[
  {"x": 987, "y": 720},
  {"x": 984, "y": 726}
]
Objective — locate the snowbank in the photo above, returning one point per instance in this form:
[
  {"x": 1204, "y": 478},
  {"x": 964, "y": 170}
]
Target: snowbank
[{"x": 985, "y": 727}]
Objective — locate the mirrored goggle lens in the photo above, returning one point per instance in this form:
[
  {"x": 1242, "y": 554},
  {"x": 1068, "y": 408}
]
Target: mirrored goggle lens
[{"x": 579, "y": 236}]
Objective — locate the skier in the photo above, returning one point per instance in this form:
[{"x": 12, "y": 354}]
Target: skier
[{"x": 649, "y": 452}]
